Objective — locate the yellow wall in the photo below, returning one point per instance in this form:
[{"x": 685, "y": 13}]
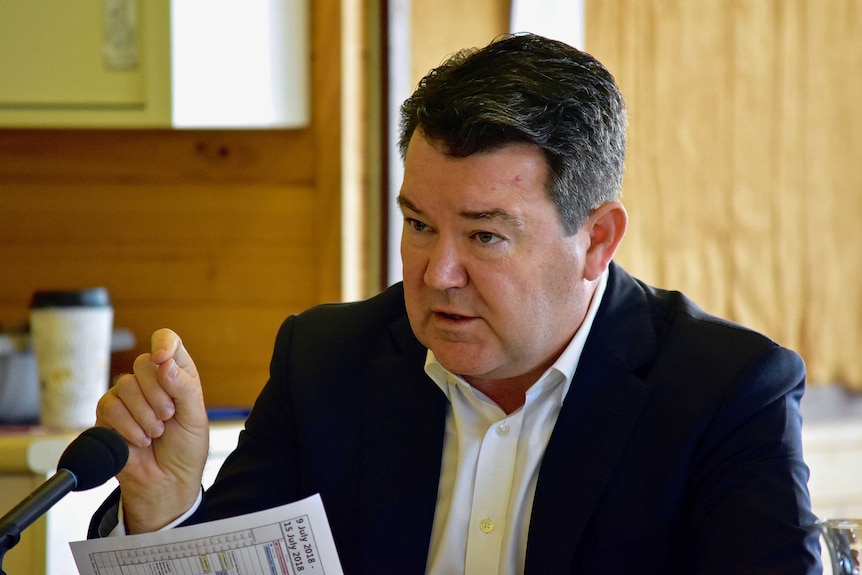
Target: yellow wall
[
  {"x": 743, "y": 179},
  {"x": 442, "y": 27}
]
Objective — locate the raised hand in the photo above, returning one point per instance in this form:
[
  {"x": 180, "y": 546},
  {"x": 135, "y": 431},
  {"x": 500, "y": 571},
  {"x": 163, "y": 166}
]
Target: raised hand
[{"x": 159, "y": 410}]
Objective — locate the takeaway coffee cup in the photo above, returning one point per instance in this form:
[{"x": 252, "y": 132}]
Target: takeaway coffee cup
[{"x": 71, "y": 337}]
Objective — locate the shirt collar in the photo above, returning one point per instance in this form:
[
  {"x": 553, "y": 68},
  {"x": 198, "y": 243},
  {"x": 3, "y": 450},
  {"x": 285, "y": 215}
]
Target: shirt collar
[{"x": 565, "y": 365}]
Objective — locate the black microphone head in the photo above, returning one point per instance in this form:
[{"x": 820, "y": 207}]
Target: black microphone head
[{"x": 94, "y": 457}]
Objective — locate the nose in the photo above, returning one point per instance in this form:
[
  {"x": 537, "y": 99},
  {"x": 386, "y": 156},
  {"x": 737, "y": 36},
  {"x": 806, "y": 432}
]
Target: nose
[{"x": 445, "y": 269}]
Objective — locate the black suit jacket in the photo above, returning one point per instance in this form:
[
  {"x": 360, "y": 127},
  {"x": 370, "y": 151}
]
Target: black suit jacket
[{"x": 677, "y": 449}]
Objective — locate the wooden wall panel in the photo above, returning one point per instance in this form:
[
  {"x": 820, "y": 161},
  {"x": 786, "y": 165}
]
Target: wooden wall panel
[
  {"x": 743, "y": 176},
  {"x": 442, "y": 27},
  {"x": 221, "y": 264},
  {"x": 217, "y": 234},
  {"x": 326, "y": 33},
  {"x": 67, "y": 156},
  {"x": 186, "y": 244}
]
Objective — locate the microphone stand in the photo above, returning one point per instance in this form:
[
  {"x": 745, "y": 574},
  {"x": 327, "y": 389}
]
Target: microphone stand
[{"x": 31, "y": 508}]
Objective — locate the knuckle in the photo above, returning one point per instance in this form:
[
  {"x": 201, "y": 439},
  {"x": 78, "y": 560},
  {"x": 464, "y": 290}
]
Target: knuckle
[
  {"x": 123, "y": 386},
  {"x": 109, "y": 407},
  {"x": 143, "y": 362}
]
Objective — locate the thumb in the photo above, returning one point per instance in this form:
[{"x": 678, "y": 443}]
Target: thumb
[
  {"x": 166, "y": 345},
  {"x": 179, "y": 378},
  {"x": 184, "y": 388}
]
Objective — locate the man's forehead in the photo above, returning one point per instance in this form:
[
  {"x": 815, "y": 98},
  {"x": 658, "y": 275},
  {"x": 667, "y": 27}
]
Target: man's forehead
[
  {"x": 427, "y": 164},
  {"x": 490, "y": 185}
]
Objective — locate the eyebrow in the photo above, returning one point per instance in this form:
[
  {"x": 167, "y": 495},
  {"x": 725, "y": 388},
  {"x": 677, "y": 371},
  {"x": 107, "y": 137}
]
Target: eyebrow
[{"x": 490, "y": 215}]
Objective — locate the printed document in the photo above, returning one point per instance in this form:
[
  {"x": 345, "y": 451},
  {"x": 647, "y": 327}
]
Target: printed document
[{"x": 293, "y": 539}]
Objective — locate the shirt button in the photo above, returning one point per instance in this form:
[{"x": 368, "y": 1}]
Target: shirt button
[
  {"x": 486, "y": 525},
  {"x": 503, "y": 429}
]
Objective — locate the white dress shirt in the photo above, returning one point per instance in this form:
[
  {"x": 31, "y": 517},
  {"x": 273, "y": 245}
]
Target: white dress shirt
[{"x": 490, "y": 465}]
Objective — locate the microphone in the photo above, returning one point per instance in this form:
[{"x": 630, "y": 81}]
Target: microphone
[{"x": 90, "y": 460}]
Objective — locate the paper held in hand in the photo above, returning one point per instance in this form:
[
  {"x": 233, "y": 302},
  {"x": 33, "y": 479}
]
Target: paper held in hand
[{"x": 293, "y": 539}]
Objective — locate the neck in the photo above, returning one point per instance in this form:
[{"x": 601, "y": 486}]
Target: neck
[{"x": 509, "y": 395}]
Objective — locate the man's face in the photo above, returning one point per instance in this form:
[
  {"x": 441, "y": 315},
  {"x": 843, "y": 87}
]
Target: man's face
[{"x": 493, "y": 285}]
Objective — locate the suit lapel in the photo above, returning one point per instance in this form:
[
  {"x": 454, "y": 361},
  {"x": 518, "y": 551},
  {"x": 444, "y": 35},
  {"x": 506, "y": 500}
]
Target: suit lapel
[
  {"x": 595, "y": 423},
  {"x": 403, "y": 419}
]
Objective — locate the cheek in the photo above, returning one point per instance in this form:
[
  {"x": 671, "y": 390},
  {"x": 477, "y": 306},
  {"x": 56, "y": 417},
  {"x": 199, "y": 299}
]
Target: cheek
[
  {"x": 516, "y": 305},
  {"x": 545, "y": 298},
  {"x": 412, "y": 277},
  {"x": 412, "y": 292},
  {"x": 412, "y": 269},
  {"x": 533, "y": 315}
]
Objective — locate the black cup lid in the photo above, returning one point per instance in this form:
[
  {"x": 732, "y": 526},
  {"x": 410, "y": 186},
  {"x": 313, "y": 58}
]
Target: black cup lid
[{"x": 91, "y": 297}]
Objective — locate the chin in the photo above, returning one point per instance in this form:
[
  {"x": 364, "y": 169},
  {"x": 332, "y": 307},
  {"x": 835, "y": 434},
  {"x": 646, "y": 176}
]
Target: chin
[{"x": 459, "y": 363}]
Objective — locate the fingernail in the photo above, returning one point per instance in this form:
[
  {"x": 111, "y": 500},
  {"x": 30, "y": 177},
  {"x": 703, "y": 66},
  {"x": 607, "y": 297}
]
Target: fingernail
[
  {"x": 167, "y": 412},
  {"x": 173, "y": 371}
]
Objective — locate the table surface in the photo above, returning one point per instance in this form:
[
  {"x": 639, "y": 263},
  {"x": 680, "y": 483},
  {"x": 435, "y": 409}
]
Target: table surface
[{"x": 37, "y": 449}]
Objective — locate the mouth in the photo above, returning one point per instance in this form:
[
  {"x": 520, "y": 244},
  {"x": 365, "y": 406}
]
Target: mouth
[{"x": 448, "y": 317}]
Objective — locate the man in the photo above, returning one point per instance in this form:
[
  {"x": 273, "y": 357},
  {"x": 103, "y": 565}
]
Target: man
[{"x": 520, "y": 404}]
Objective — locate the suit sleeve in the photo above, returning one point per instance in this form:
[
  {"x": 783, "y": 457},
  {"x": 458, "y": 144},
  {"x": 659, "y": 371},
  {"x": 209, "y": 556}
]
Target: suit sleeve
[
  {"x": 263, "y": 471},
  {"x": 751, "y": 510}
]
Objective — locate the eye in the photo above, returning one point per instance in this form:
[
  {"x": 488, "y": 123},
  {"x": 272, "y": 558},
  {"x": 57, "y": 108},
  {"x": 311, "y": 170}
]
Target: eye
[
  {"x": 487, "y": 238},
  {"x": 415, "y": 225}
]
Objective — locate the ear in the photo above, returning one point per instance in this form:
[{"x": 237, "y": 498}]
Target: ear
[{"x": 606, "y": 227}]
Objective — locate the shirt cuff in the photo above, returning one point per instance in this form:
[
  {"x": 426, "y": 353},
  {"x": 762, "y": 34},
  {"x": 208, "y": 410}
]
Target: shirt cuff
[{"x": 120, "y": 528}]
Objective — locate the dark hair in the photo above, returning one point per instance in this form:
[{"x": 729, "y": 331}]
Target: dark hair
[{"x": 526, "y": 88}]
